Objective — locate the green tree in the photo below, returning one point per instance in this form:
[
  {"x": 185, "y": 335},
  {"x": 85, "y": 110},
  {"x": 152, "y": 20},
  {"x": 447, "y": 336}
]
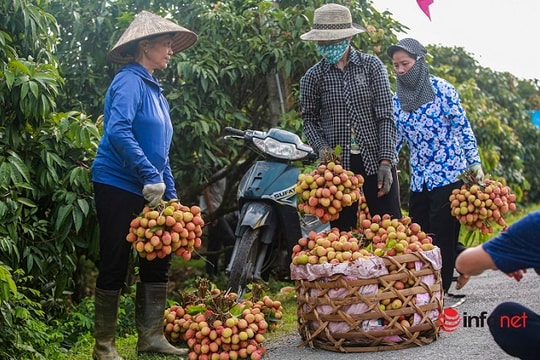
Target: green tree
[
  {"x": 45, "y": 192},
  {"x": 225, "y": 79}
]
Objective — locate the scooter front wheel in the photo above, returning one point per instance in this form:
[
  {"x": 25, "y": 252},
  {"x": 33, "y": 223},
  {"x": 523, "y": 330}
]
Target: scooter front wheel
[{"x": 244, "y": 263}]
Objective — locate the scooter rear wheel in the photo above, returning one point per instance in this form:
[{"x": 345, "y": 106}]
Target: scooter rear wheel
[{"x": 244, "y": 263}]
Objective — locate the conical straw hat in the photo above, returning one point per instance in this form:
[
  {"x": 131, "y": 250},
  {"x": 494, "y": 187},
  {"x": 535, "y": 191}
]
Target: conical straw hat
[{"x": 147, "y": 24}]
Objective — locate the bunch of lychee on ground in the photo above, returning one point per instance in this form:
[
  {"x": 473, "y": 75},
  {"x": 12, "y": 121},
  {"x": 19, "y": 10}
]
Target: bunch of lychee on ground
[{"x": 215, "y": 325}]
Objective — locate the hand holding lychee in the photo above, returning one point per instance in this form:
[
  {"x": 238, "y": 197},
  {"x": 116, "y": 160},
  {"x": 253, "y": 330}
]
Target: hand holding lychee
[
  {"x": 169, "y": 228},
  {"x": 327, "y": 190},
  {"x": 481, "y": 206}
]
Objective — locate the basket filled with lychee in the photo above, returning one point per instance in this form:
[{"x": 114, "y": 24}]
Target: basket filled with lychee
[
  {"x": 169, "y": 228},
  {"x": 377, "y": 288},
  {"x": 326, "y": 190},
  {"x": 482, "y": 205}
]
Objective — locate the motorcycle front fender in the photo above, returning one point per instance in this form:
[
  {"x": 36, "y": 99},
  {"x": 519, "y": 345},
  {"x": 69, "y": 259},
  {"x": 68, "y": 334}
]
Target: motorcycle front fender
[{"x": 257, "y": 215}]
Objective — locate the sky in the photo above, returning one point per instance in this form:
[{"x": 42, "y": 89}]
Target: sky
[{"x": 500, "y": 34}]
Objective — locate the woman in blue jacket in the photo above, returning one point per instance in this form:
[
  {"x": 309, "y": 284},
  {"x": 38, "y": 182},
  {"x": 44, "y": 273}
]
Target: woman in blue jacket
[{"x": 131, "y": 170}]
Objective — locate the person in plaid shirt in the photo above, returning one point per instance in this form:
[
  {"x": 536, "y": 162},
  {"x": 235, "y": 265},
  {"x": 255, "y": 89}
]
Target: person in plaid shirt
[
  {"x": 346, "y": 100},
  {"x": 430, "y": 119}
]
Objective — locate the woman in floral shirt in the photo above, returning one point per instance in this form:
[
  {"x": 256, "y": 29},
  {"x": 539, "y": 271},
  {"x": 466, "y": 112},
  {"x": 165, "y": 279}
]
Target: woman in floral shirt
[{"x": 442, "y": 145}]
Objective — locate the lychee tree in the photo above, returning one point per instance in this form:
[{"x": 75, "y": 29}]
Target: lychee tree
[
  {"x": 45, "y": 199},
  {"x": 45, "y": 193}
]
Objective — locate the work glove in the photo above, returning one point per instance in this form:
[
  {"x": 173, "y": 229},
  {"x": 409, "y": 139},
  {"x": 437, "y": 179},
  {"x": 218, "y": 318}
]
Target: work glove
[
  {"x": 476, "y": 169},
  {"x": 384, "y": 178},
  {"x": 153, "y": 193},
  {"x": 326, "y": 154}
]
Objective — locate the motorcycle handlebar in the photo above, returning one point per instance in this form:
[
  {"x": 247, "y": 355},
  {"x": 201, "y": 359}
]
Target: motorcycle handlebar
[{"x": 234, "y": 131}]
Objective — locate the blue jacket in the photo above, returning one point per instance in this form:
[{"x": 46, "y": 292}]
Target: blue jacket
[{"x": 134, "y": 149}]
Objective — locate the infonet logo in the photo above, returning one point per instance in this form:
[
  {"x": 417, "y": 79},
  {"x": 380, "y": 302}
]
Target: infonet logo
[{"x": 449, "y": 320}]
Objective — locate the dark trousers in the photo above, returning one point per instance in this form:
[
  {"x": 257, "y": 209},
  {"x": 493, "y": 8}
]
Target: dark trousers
[
  {"x": 519, "y": 337},
  {"x": 115, "y": 210},
  {"x": 387, "y": 204},
  {"x": 431, "y": 210}
]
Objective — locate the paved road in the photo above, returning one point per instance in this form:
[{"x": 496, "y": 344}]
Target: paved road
[{"x": 483, "y": 292}]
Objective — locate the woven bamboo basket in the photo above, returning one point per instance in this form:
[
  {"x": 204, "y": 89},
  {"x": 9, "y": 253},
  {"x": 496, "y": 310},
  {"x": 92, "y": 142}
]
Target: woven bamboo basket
[{"x": 327, "y": 320}]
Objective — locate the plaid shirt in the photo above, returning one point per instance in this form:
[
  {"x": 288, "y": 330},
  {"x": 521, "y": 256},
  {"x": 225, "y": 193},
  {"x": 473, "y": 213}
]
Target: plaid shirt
[{"x": 358, "y": 98}]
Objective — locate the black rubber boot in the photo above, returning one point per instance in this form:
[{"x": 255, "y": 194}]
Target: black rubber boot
[
  {"x": 150, "y": 304},
  {"x": 106, "y": 315}
]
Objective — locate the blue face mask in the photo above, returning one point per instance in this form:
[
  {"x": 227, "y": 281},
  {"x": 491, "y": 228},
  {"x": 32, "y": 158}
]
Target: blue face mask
[{"x": 333, "y": 52}]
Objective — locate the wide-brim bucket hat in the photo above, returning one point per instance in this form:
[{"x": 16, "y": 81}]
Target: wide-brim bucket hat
[
  {"x": 332, "y": 22},
  {"x": 147, "y": 24}
]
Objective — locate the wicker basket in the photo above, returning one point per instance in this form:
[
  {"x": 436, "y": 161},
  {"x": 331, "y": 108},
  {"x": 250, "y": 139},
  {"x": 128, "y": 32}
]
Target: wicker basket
[{"x": 343, "y": 314}]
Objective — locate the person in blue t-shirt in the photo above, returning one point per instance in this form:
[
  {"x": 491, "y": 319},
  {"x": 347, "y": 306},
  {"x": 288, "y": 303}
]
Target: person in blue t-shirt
[
  {"x": 131, "y": 170},
  {"x": 431, "y": 121},
  {"x": 510, "y": 252}
]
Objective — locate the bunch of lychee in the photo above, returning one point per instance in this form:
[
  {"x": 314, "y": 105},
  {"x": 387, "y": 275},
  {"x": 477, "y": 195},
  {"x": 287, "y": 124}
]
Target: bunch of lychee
[
  {"x": 326, "y": 190},
  {"x": 212, "y": 334},
  {"x": 387, "y": 236},
  {"x": 333, "y": 246},
  {"x": 170, "y": 228},
  {"x": 482, "y": 206},
  {"x": 378, "y": 235},
  {"x": 363, "y": 211}
]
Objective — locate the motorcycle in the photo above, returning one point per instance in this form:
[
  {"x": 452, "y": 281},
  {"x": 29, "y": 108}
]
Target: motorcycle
[{"x": 269, "y": 224}]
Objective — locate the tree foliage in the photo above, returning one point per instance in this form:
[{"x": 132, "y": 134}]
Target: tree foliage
[{"x": 243, "y": 72}]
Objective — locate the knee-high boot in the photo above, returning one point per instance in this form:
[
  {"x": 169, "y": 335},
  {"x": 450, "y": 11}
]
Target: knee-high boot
[
  {"x": 150, "y": 304},
  {"x": 105, "y": 318}
]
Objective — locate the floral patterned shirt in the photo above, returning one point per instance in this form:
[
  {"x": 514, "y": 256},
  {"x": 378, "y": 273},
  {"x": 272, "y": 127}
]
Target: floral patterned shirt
[{"x": 440, "y": 139}]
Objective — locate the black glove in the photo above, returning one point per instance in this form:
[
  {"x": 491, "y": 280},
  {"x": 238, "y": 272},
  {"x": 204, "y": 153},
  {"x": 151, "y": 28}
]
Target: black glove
[{"x": 384, "y": 178}]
